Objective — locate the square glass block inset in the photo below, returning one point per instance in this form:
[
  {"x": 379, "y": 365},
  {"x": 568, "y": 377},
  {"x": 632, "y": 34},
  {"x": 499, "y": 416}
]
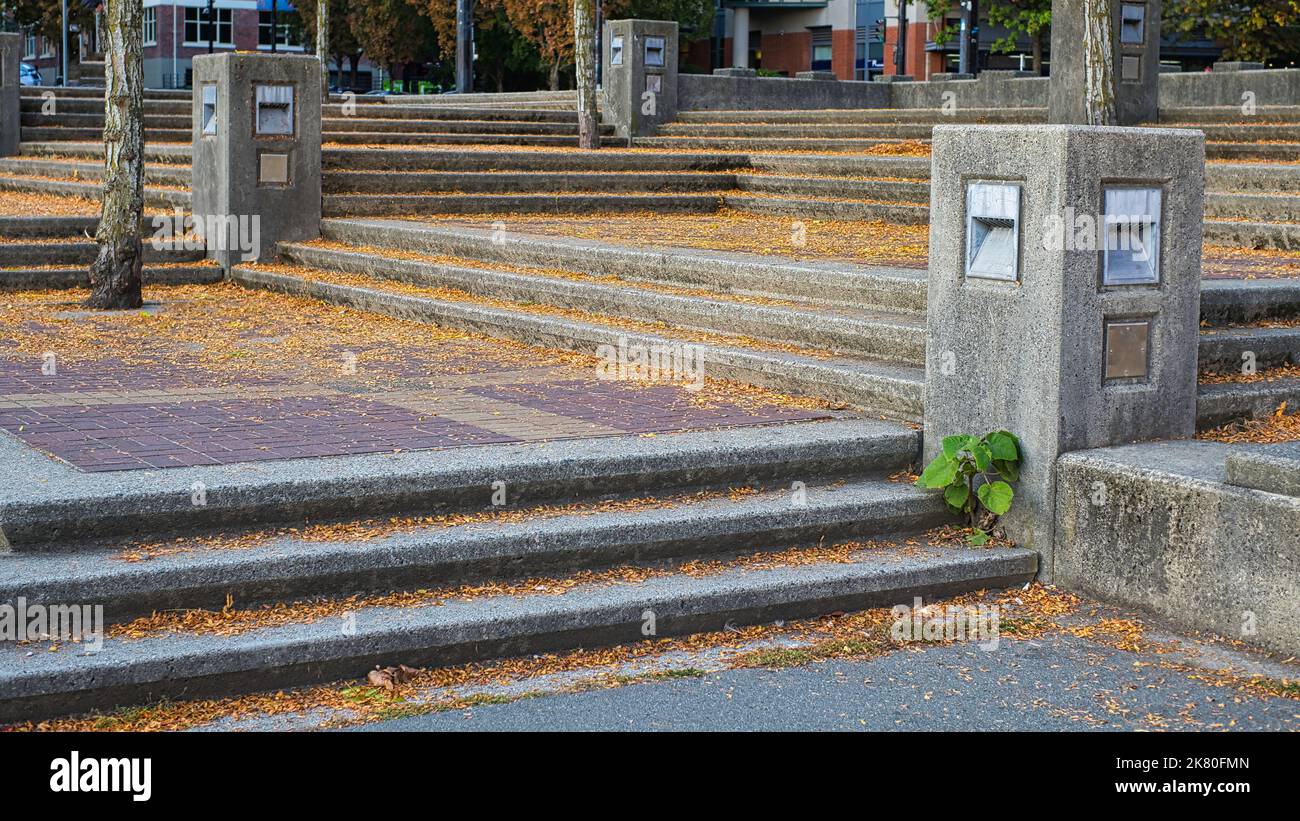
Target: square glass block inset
[
  {"x": 209, "y": 109},
  {"x": 1130, "y": 68},
  {"x": 1132, "y": 23},
  {"x": 1128, "y": 343},
  {"x": 654, "y": 51},
  {"x": 616, "y": 51},
  {"x": 275, "y": 110},
  {"x": 1131, "y": 255},
  {"x": 993, "y": 231},
  {"x": 273, "y": 169},
  {"x": 654, "y": 82}
]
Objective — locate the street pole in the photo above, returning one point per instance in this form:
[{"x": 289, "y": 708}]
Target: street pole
[
  {"x": 275, "y": 25},
  {"x": 212, "y": 26},
  {"x": 973, "y": 32},
  {"x": 464, "y": 46},
  {"x": 963, "y": 41},
  {"x": 900, "y": 48},
  {"x": 63, "y": 57}
]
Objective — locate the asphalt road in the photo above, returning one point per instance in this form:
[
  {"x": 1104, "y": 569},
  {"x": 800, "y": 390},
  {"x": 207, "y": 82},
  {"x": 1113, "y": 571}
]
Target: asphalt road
[{"x": 1060, "y": 682}]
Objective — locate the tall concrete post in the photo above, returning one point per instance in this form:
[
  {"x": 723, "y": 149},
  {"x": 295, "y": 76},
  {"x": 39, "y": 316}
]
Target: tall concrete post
[
  {"x": 256, "y": 177},
  {"x": 1136, "y": 58},
  {"x": 740, "y": 37},
  {"x": 11, "y": 117},
  {"x": 1064, "y": 295},
  {"x": 464, "y": 46},
  {"x": 639, "y": 59}
]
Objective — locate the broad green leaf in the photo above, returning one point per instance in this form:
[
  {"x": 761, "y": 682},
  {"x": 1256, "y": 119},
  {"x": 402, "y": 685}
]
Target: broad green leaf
[
  {"x": 956, "y": 496},
  {"x": 953, "y": 445},
  {"x": 983, "y": 457},
  {"x": 1009, "y": 470},
  {"x": 938, "y": 473},
  {"x": 977, "y": 538},
  {"x": 1004, "y": 446},
  {"x": 996, "y": 496}
]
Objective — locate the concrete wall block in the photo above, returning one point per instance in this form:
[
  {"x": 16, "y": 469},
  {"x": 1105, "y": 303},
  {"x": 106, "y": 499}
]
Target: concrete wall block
[
  {"x": 257, "y": 156},
  {"x": 639, "y": 67},
  {"x": 1034, "y": 353},
  {"x": 1136, "y": 57}
]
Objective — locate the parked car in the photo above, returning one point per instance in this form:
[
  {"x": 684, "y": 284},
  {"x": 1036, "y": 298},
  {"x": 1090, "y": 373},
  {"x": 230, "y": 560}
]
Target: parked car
[{"x": 29, "y": 75}]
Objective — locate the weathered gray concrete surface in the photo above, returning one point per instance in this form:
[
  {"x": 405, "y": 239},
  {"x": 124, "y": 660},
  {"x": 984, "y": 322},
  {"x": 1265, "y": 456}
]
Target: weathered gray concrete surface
[
  {"x": 626, "y": 106},
  {"x": 703, "y": 92},
  {"x": 1157, "y": 527},
  {"x": 1056, "y": 683},
  {"x": 1274, "y": 468},
  {"x": 1029, "y": 356}
]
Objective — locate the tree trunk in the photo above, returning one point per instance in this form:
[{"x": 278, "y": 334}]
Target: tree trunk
[
  {"x": 323, "y": 47},
  {"x": 1038, "y": 53},
  {"x": 115, "y": 274},
  {"x": 1099, "y": 62},
  {"x": 584, "y": 51},
  {"x": 554, "y": 83}
]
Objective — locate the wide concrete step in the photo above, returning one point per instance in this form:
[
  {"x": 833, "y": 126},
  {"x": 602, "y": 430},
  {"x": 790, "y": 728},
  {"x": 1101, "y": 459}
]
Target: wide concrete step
[
  {"x": 1223, "y": 402},
  {"x": 285, "y": 565},
  {"x": 883, "y": 131},
  {"x": 764, "y": 143},
  {"x": 1230, "y": 349},
  {"x": 61, "y": 104},
  {"x": 153, "y": 196},
  {"x": 335, "y": 125},
  {"x": 1252, "y": 234},
  {"x": 500, "y": 182},
  {"x": 1252, "y": 151},
  {"x": 421, "y": 138},
  {"x": 844, "y": 165},
  {"x": 62, "y": 278},
  {"x": 155, "y": 505},
  {"x": 838, "y": 209},
  {"x": 451, "y": 159},
  {"x": 81, "y": 134},
  {"x": 857, "y": 286},
  {"x": 1196, "y": 115},
  {"x": 879, "y": 387},
  {"x": 170, "y": 175},
  {"x": 75, "y": 92},
  {"x": 380, "y": 205},
  {"x": 1251, "y": 132},
  {"x": 476, "y": 99},
  {"x": 161, "y": 153},
  {"x": 181, "y": 665},
  {"x": 1253, "y": 177},
  {"x": 78, "y": 251},
  {"x": 853, "y": 332},
  {"x": 62, "y": 119},
  {"x": 907, "y": 191},
  {"x": 931, "y": 116},
  {"x": 375, "y": 111},
  {"x": 1245, "y": 301},
  {"x": 1254, "y": 207}
]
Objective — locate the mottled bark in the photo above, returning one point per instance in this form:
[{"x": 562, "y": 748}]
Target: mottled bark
[
  {"x": 1099, "y": 62},
  {"x": 115, "y": 274},
  {"x": 323, "y": 47},
  {"x": 584, "y": 51}
]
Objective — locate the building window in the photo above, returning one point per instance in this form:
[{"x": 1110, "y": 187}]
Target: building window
[
  {"x": 29, "y": 47},
  {"x": 287, "y": 33},
  {"x": 151, "y": 26},
  {"x": 47, "y": 47},
  {"x": 197, "y": 29},
  {"x": 821, "y": 48}
]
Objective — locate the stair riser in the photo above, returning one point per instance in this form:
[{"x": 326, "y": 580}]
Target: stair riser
[
  {"x": 154, "y": 175},
  {"x": 758, "y": 144},
  {"x": 1258, "y": 207},
  {"x": 69, "y": 278},
  {"x": 1220, "y": 404},
  {"x": 881, "y": 131},
  {"x": 897, "y": 396},
  {"x": 252, "y": 579},
  {"x": 381, "y": 111},
  {"x": 916, "y": 193},
  {"x": 341, "y": 159},
  {"x": 1224, "y": 352},
  {"x": 348, "y": 125},
  {"x": 1242, "y": 302},
  {"x": 415, "y": 183},
  {"x": 79, "y": 252},
  {"x": 248, "y": 668},
  {"x": 887, "y": 342},
  {"x": 35, "y": 119},
  {"x": 831, "y": 209},
  {"x": 396, "y": 138},
  {"x": 1227, "y": 114},
  {"x": 1250, "y": 151},
  {"x": 153, "y": 197},
  {"x": 868, "y": 116},
  {"x": 1281, "y": 179},
  {"x": 1280, "y": 237}
]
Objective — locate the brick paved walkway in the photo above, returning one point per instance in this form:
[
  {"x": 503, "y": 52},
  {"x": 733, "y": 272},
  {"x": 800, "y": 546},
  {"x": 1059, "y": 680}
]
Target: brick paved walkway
[{"x": 224, "y": 375}]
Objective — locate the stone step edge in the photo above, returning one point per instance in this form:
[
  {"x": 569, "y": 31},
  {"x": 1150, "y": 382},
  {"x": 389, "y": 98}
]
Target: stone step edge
[{"x": 177, "y": 666}]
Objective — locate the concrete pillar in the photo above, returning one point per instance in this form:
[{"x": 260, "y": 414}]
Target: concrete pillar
[
  {"x": 1136, "y": 55},
  {"x": 11, "y": 118},
  {"x": 740, "y": 37},
  {"x": 639, "y": 64},
  {"x": 256, "y": 174},
  {"x": 1064, "y": 295}
]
